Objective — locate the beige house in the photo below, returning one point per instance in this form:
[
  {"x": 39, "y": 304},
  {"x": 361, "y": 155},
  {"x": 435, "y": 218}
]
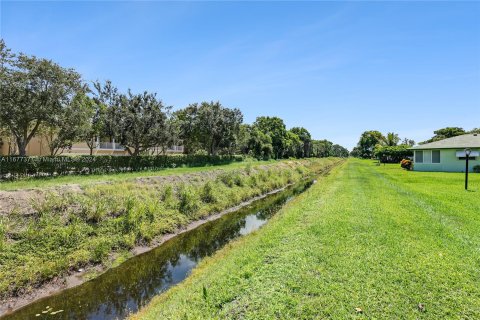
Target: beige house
[{"x": 38, "y": 147}]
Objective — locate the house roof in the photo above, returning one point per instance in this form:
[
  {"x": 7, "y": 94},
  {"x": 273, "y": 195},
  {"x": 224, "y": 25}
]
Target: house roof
[{"x": 458, "y": 142}]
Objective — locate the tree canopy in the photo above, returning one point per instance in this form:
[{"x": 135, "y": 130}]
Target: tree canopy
[
  {"x": 373, "y": 144},
  {"x": 42, "y": 98},
  {"x": 445, "y": 133},
  {"x": 209, "y": 126},
  {"x": 276, "y": 129},
  {"x": 34, "y": 92}
]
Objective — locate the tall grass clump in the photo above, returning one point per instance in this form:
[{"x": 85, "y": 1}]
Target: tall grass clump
[
  {"x": 208, "y": 194},
  {"x": 187, "y": 200}
]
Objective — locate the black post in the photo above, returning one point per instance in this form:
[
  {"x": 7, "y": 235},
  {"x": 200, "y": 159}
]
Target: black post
[{"x": 466, "y": 172}]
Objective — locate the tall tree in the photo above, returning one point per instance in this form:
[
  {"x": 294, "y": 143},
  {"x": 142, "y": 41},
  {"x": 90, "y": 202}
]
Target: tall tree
[
  {"x": 275, "y": 128},
  {"x": 70, "y": 126},
  {"x": 95, "y": 123},
  {"x": 107, "y": 101},
  {"x": 168, "y": 137},
  {"x": 185, "y": 121},
  {"x": 34, "y": 92},
  {"x": 339, "y": 151},
  {"x": 445, "y": 133},
  {"x": 209, "y": 126},
  {"x": 368, "y": 141},
  {"x": 355, "y": 152},
  {"x": 322, "y": 148},
  {"x": 260, "y": 144},
  {"x": 243, "y": 137},
  {"x": 218, "y": 127},
  {"x": 292, "y": 146},
  {"x": 306, "y": 139},
  {"x": 142, "y": 120},
  {"x": 408, "y": 142},
  {"x": 391, "y": 139}
]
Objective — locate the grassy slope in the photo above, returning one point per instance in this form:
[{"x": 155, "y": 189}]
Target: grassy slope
[
  {"x": 88, "y": 179},
  {"x": 78, "y": 229},
  {"x": 376, "y": 238}
]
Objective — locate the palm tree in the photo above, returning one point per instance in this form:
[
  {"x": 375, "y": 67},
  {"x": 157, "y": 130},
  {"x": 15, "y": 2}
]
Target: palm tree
[{"x": 392, "y": 139}]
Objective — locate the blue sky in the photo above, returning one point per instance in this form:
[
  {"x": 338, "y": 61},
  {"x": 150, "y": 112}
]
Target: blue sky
[{"x": 336, "y": 68}]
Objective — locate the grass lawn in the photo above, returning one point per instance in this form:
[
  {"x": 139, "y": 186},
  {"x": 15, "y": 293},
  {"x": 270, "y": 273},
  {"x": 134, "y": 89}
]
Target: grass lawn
[
  {"x": 88, "y": 179},
  {"x": 392, "y": 243}
]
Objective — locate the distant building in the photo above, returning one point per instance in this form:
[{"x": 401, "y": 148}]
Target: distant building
[
  {"x": 447, "y": 155},
  {"x": 39, "y": 147}
]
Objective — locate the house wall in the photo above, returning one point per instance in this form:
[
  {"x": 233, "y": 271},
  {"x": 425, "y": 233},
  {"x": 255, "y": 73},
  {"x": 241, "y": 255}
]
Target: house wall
[
  {"x": 4, "y": 149},
  {"x": 448, "y": 162},
  {"x": 36, "y": 147}
]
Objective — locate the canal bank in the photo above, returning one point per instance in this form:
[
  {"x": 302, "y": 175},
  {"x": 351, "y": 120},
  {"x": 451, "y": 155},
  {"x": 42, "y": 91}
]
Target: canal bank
[
  {"x": 79, "y": 277},
  {"x": 125, "y": 289}
]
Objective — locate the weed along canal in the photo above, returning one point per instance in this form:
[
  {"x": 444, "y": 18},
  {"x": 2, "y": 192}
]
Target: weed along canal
[{"x": 126, "y": 288}]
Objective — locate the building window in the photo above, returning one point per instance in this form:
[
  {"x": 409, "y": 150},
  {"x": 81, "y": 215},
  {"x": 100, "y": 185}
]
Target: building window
[
  {"x": 435, "y": 156},
  {"x": 419, "y": 156}
]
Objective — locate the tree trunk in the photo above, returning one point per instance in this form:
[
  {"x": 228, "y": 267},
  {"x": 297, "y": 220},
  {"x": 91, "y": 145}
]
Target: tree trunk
[
  {"x": 89, "y": 143},
  {"x": 22, "y": 147},
  {"x": 24, "y": 138}
]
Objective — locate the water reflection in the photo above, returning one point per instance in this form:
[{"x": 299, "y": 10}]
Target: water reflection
[{"x": 125, "y": 289}]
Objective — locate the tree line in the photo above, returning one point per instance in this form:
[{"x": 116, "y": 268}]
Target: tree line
[
  {"x": 391, "y": 148},
  {"x": 41, "y": 98},
  {"x": 449, "y": 132}
]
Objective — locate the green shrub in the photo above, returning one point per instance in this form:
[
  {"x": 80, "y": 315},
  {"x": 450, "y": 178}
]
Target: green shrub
[
  {"x": 227, "y": 178},
  {"x": 129, "y": 240},
  {"x": 13, "y": 167},
  {"x": 99, "y": 248},
  {"x": 253, "y": 181},
  {"x": 392, "y": 154},
  {"x": 188, "y": 201},
  {"x": 248, "y": 168},
  {"x": 476, "y": 169},
  {"x": 238, "y": 180},
  {"x": 208, "y": 193},
  {"x": 300, "y": 170},
  {"x": 3, "y": 233}
]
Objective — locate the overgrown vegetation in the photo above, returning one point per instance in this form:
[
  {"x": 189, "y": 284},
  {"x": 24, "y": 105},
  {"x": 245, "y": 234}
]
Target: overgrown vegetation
[
  {"x": 82, "y": 228},
  {"x": 367, "y": 241},
  {"x": 392, "y": 154}
]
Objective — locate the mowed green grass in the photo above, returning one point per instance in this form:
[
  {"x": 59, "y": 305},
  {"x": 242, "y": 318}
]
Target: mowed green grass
[
  {"x": 371, "y": 237},
  {"x": 116, "y": 177}
]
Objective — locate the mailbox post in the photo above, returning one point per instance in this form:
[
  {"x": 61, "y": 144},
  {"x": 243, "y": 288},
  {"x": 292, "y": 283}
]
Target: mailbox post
[{"x": 467, "y": 155}]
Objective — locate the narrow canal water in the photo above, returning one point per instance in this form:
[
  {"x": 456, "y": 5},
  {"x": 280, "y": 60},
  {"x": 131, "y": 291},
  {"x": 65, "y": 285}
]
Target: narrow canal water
[{"x": 126, "y": 288}]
